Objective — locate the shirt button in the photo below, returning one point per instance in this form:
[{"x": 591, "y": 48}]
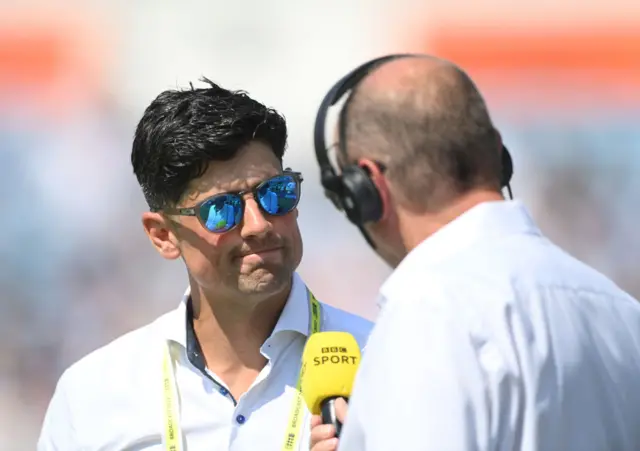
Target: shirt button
[
  {"x": 224, "y": 391},
  {"x": 241, "y": 419}
]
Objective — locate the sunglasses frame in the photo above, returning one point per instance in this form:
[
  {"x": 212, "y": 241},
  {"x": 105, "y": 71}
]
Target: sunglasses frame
[{"x": 193, "y": 211}]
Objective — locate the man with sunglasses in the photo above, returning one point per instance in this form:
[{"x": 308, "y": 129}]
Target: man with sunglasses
[{"x": 220, "y": 372}]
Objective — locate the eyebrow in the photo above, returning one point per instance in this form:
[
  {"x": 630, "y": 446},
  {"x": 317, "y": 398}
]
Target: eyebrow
[
  {"x": 246, "y": 188},
  {"x": 250, "y": 186}
]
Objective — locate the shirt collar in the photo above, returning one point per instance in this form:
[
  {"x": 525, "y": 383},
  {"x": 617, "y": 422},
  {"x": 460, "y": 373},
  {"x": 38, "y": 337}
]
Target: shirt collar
[
  {"x": 485, "y": 221},
  {"x": 295, "y": 315},
  {"x": 178, "y": 324}
]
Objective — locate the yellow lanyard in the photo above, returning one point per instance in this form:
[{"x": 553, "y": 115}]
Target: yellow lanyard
[{"x": 172, "y": 430}]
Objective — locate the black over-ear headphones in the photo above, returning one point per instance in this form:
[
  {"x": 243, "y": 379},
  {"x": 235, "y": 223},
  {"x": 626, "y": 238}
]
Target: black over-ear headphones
[{"x": 353, "y": 190}]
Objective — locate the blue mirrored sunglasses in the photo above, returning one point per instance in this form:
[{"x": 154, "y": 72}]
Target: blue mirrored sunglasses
[{"x": 220, "y": 213}]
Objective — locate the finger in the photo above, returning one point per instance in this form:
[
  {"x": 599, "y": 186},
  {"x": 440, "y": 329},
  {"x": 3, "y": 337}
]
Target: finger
[
  {"x": 326, "y": 445},
  {"x": 316, "y": 420},
  {"x": 322, "y": 432},
  {"x": 341, "y": 409}
]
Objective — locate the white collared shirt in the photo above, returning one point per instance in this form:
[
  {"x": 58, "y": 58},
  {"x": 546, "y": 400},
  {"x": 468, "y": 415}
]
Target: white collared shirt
[
  {"x": 112, "y": 398},
  {"x": 493, "y": 338}
]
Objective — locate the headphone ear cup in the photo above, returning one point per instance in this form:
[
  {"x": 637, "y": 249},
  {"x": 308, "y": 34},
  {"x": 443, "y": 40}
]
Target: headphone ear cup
[
  {"x": 507, "y": 167},
  {"x": 361, "y": 200}
]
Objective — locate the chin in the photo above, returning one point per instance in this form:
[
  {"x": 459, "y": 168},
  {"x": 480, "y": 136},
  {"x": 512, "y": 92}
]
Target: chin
[
  {"x": 389, "y": 258},
  {"x": 264, "y": 281}
]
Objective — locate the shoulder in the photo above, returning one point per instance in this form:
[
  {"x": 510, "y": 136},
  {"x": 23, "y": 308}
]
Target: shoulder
[
  {"x": 341, "y": 320},
  {"x": 490, "y": 292},
  {"x": 115, "y": 364},
  {"x": 95, "y": 399}
]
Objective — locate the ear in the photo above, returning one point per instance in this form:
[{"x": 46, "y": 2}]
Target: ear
[
  {"x": 375, "y": 172},
  {"x": 161, "y": 234}
]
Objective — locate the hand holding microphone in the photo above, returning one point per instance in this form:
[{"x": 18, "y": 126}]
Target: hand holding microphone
[
  {"x": 323, "y": 436},
  {"x": 330, "y": 361}
]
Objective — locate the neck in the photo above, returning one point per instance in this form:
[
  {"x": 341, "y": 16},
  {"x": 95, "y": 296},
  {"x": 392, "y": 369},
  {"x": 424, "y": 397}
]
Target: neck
[
  {"x": 415, "y": 228},
  {"x": 232, "y": 329}
]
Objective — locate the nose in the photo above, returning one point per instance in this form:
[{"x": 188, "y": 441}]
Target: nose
[{"x": 254, "y": 224}]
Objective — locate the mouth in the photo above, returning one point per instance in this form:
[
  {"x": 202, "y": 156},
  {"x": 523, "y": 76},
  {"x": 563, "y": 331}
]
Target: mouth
[{"x": 260, "y": 252}]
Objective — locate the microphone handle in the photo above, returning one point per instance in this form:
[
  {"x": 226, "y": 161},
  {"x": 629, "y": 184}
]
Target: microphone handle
[{"x": 328, "y": 410}]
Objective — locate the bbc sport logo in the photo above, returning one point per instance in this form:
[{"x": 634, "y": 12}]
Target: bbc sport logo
[{"x": 334, "y": 349}]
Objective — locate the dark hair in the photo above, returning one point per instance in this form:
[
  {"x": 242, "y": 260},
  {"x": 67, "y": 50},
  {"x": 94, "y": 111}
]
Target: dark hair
[
  {"x": 182, "y": 131},
  {"x": 435, "y": 137}
]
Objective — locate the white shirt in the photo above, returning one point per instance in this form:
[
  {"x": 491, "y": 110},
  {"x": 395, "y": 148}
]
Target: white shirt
[
  {"x": 493, "y": 338},
  {"x": 112, "y": 399}
]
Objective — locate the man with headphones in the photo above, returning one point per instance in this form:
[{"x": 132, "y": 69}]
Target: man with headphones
[{"x": 490, "y": 337}]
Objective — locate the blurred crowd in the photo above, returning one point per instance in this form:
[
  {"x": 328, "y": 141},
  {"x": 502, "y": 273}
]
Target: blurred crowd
[{"x": 76, "y": 269}]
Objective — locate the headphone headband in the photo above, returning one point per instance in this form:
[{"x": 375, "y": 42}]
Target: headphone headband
[{"x": 337, "y": 92}]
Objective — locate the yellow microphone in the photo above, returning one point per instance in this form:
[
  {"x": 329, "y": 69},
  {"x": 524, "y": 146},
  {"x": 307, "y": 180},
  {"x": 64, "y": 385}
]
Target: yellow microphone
[{"x": 329, "y": 364}]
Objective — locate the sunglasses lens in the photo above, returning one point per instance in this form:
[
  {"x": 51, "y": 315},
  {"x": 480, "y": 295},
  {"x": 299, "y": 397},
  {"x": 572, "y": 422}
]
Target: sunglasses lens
[
  {"x": 221, "y": 213},
  {"x": 279, "y": 195}
]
